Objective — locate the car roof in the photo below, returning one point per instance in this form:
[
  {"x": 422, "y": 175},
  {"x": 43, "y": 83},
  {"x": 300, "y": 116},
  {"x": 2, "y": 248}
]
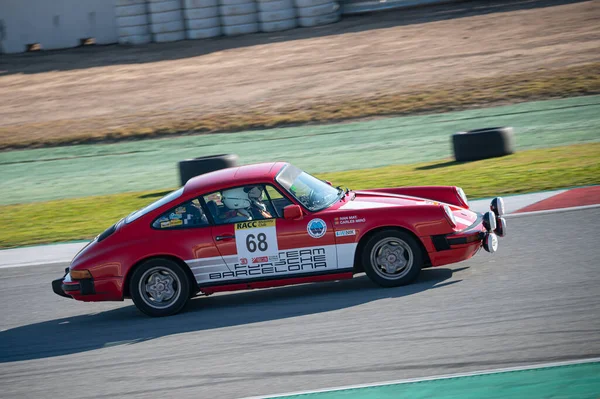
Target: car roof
[{"x": 238, "y": 175}]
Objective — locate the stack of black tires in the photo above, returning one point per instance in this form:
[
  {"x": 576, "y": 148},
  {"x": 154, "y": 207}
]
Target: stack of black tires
[
  {"x": 484, "y": 143},
  {"x": 189, "y": 168}
]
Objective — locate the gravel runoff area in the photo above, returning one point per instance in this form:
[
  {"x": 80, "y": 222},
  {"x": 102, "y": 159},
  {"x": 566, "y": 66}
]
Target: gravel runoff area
[{"x": 401, "y": 51}]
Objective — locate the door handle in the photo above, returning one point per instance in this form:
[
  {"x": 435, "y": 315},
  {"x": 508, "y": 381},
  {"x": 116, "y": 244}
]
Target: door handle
[{"x": 225, "y": 237}]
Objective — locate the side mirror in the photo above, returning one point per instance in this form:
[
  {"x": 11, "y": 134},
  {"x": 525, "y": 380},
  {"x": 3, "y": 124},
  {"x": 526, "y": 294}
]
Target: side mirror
[
  {"x": 328, "y": 182},
  {"x": 293, "y": 212}
]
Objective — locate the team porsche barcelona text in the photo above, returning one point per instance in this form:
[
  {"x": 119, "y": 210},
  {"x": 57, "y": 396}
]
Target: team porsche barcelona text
[{"x": 289, "y": 262}]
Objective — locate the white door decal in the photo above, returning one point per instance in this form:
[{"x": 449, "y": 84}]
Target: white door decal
[{"x": 256, "y": 241}]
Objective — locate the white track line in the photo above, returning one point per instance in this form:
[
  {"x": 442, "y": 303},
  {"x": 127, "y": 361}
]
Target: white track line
[
  {"x": 40, "y": 263},
  {"x": 432, "y": 378},
  {"x": 548, "y": 211}
]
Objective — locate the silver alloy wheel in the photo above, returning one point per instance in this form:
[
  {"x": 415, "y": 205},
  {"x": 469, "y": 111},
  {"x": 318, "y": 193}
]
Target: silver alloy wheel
[
  {"x": 392, "y": 258},
  {"x": 159, "y": 287}
]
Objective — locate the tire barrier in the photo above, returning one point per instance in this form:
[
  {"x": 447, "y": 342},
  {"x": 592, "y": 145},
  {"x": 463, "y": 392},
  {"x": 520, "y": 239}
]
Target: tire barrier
[
  {"x": 317, "y": 12},
  {"x": 166, "y": 20},
  {"x": 132, "y": 22},
  {"x": 276, "y": 15},
  {"x": 189, "y": 168},
  {"x": 201, "y": 19},
  {"x": 143, "y": 21},
  {"x": 238, "y": 17},
  {"x": 483, "y": 143}
]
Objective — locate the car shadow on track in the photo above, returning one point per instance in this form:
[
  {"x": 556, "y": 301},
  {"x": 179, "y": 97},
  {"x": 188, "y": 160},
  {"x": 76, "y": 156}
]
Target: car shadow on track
[{"x": 126, "y": 325}]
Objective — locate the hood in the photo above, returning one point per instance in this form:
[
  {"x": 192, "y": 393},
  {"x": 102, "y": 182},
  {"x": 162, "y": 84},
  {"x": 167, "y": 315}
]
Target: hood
[{"x": 370, "y": 200}]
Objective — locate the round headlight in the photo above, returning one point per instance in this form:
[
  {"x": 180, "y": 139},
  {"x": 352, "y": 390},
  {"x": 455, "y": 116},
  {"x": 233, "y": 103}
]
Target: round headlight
[
  {"x": 462, "y": 195},
  {"x": 489, "y": 221},
  {"x": 490, "y": 243},
  {"x": 497, "y": 206},
  {"x": 450, "y": 215}
]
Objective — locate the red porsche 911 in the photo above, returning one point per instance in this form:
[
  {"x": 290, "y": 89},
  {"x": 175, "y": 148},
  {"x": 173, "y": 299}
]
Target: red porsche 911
[{"x": 272, "y": 224}]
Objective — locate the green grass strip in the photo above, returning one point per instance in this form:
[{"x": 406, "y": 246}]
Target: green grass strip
[
  {"x": 527, "y": 171},
  {"x": 580, "y": 381},
  {"x": 48, "y": 174}
]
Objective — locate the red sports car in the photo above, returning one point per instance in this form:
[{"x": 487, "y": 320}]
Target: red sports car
[{"x": 272, "y": 224}]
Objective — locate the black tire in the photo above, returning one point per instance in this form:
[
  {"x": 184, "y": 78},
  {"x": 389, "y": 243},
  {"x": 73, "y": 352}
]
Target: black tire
[
  {"x": 483, "y": 143},
  {"x": 189, "y": 168},
  {"x": 405, "y": 275},
  {"x": 165, "y": 269}
]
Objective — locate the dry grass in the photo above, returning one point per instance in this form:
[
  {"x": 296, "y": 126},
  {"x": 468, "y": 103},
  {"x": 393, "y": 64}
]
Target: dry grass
[{"x": 558, "y": 83}]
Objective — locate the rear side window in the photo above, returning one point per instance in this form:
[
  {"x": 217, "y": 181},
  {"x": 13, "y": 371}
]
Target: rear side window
[
  {"x": 186, "y": 215},
  {"x": 155, "y": 205}
]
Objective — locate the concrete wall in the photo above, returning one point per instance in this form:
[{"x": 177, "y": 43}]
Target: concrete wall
[{"x": 55, "y": 24}]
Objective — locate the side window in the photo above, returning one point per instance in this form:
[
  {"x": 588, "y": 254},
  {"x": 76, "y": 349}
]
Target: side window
[
  {"x": 277, "y": 200},
  {"x": 186, "y": 215},
  {"x": 240, "y": 204}
]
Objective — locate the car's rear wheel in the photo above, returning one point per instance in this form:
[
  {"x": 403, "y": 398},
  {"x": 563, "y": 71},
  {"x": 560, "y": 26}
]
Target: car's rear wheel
[
  {"x": 159, "y": 287},
  {"x": 392, "y": 258}
]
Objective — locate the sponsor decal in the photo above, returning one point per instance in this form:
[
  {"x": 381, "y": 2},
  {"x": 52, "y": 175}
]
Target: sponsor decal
[
  {"x": 296, "y": 261},
  {"x": 170, "y": 223},
  {"x": 345, "y": 233},
  {"x": 316, "y": 228},
  {"x": 180, "y": 210},
  {"x": 175, "y": 216},
  {"x": 260, "y": 259},
  {"x": 338, "y": 221},
  {"x": 243, "y": 261},
  {"x": 255, "y": 224}
]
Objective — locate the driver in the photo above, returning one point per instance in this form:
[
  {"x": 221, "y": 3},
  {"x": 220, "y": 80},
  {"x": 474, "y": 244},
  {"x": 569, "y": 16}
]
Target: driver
[
  {"x": 238, "y": 204},
  {"x": 255, "y": 194}
]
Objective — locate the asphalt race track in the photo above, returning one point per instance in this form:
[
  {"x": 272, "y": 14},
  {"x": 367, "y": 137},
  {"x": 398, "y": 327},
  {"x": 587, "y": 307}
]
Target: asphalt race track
[{"x": 537, "y": 300}]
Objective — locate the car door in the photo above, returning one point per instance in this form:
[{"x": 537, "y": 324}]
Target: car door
[
  {"x": 271, "y": 247},
  {"x": 187, "y": 228}
]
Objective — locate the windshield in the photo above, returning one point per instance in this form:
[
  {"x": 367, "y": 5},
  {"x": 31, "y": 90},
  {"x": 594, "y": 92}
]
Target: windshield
[
  {"x": 313, "y": 193},
  {"x": 155, "y": 205}
]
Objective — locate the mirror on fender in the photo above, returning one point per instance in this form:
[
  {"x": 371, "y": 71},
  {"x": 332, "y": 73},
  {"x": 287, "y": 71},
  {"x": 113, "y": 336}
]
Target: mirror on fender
[
  {"x": 293, "y": 212},
  {"x": 328, "y": 182}
]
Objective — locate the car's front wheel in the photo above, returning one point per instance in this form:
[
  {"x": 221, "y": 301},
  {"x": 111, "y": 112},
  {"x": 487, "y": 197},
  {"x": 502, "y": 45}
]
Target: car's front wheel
[
  {"x": 392, "y": 258},
  {"x": 159, "y": 287}
]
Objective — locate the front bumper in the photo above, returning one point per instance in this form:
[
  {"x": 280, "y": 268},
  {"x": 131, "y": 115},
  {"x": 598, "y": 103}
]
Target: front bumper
[{"x": 484, "y": 232}]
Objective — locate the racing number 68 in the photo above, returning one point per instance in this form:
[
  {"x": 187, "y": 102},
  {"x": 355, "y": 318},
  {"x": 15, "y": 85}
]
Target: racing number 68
[{"x": 261, "y": 244}]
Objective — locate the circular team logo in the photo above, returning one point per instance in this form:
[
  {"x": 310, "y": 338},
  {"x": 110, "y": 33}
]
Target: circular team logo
[{"x": 316, "y": 228}]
